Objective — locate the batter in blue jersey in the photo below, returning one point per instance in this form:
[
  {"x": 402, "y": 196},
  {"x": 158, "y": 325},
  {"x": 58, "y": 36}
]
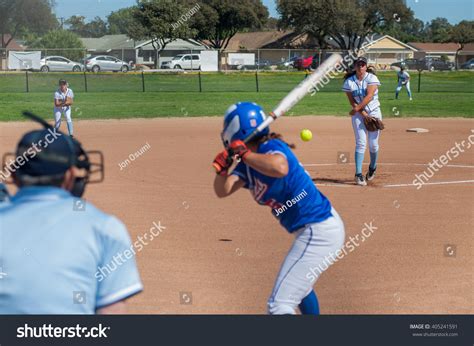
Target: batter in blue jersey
[
  {"x": 274, "y": 176},
  {"x": 294, "y": 199}
]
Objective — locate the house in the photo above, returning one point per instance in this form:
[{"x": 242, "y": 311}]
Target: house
[
  {"x": 383, "y": 50},
  {"x": 439, "y": 49},
  {"x": 140, "y": 52},
  {"x": 12, "y": 45},
  {"x": 278, "y": 46}
]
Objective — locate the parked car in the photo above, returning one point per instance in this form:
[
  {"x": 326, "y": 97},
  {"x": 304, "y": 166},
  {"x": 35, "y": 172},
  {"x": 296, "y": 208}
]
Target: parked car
[
  {"x": 410, "y": 64},
  {"x": 433, "y": 64},
  {"x": 308, "y": 63},
  {"x": 60, "y": 63},
  {"x": 290, "y": 62},
  {"x": 468, "y": 65},
  {"x": 183, "y": 62},
  {"x": 259, "y": 65},
  {"x": 106, "y": 63}
]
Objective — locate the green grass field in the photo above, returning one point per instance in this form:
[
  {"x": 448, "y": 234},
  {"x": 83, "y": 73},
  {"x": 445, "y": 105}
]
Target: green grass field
[{"x": 115, "y": 95}]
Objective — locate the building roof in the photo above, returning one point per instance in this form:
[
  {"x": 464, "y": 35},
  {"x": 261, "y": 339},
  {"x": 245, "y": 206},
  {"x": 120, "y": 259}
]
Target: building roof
[
  {"x": 112, "y": 42},
  {"x": 13, "y": 45},
  {"x": 430, "y": 47},
  {"x": 385, "y": 43},
  {"x": 293, "y": 40},
  {"x": 109, "y": 42},
  {"x": 255, "y": 40}
]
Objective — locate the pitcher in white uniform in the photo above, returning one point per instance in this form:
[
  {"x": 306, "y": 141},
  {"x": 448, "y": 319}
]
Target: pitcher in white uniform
[
  {"x": 361, "y": 88},
  {"x": 63, "y": 100}
]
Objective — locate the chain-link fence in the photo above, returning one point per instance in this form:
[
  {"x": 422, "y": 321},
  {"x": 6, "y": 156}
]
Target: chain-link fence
[
  {"x": 244, "y": 81},
  {"x": 263, "y": 70},
  {"x": 228, "y": 60}
]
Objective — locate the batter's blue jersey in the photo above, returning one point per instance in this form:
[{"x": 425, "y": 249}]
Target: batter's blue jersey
[
  {"x": 60, "y": 255},
  {"x": 294, "y": 199}
]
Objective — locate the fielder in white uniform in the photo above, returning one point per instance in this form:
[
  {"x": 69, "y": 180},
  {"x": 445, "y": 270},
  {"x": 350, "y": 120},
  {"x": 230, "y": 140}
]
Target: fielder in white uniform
[
  {"x": 63, "y": 99},
  {"x": 403, "y": 80},
  {"x": 361, "y": 88}
]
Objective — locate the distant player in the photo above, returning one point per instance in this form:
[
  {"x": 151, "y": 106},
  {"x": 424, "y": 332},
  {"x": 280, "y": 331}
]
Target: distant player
[
  {"x": 63, "y": 100},
  {"x": 403, "y": 80},
  {"x": 53, "y": 244},
  {"x": 361, "y": 88},
  {"x": 276, "y": 178}
]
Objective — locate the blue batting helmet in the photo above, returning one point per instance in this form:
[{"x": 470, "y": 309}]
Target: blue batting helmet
[{"x": 240, "y": 120}]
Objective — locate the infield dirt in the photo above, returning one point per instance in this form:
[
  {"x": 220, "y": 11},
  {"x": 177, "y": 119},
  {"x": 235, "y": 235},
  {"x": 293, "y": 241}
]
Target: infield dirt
[{"x": 222, "y": 255}]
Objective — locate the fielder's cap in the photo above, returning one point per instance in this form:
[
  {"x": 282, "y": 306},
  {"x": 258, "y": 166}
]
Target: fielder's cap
[
  {"x": 361, "y": 59},
  {"x": 62, "y": 82},
  {"x": 45, "y": 153}
]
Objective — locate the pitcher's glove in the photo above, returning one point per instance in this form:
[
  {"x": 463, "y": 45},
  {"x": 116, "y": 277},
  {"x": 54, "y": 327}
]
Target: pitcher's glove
[{"x": 373, "y": 124}]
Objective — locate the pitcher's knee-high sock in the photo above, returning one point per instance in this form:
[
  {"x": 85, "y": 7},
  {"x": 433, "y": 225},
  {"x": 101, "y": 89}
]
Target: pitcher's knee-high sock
[
  {"x": 310, "y": 305},
  {"x": 70, "y": 128},
  {"x": 359, "y": 158},
  {"x": 373, "y": 160}
]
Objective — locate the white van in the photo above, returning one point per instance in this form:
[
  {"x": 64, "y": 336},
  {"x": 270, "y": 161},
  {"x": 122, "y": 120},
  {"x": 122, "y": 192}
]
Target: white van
[{"x": 183, "y": 62}]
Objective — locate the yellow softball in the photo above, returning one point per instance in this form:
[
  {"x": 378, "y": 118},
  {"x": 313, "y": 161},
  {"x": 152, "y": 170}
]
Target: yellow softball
[{"x": 306, "y": 135}]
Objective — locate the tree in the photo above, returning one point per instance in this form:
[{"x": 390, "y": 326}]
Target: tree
[
  {"x": 119, "y": 21},
  {"x": 95, "y": 28},
  {"x": 407, "y": 30},
  {"x": 438, "y": 30},
  {"x": 61, "y": 39},
  {"x": 347, "y": 23},
  {"x": 462, "y": 33},
  {"x": 219, "y": 20},
  {"x": 20, "y": 16},
  {"x": 161, "y": 22}
]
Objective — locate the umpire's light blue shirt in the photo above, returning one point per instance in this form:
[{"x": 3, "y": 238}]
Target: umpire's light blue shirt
[{"x": 51, "y": 247}]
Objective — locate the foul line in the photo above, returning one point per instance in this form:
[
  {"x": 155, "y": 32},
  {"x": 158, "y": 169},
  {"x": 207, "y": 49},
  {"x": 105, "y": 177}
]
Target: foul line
[
  {"x": 391, "y": 164},
  {"x": 435, "y": 183},
  {"x": 388, "y": 164}
]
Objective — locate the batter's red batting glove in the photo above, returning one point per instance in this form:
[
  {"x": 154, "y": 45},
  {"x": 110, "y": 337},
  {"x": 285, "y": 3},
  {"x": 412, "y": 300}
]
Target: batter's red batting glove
[
  {"x": 238, "y": 148},
  {"x": 221, "y": 163}
]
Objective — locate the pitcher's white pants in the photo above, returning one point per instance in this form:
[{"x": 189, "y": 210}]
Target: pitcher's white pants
[{"x": 361, "y": 133}]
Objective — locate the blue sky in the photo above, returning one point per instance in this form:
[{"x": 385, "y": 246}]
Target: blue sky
[{"x": 453, "y": 10}]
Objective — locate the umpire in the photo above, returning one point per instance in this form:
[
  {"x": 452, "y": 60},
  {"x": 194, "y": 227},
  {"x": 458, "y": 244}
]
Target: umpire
[{"x": 52, "y": 242}]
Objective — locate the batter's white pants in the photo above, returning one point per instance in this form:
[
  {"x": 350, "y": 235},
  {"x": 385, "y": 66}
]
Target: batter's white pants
[
  {"x": 58, "y": 114},
  {"x": 361, "y": 133},
  {"x": 312, "y": 252}
]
